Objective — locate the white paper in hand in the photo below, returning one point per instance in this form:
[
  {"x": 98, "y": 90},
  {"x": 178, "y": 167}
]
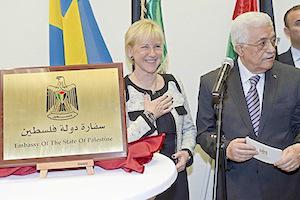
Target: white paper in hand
[{"x": 266, "y": 153}]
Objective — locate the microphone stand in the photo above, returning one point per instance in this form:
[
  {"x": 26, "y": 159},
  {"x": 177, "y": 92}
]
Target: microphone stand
[{"x": 220, "y": 151}]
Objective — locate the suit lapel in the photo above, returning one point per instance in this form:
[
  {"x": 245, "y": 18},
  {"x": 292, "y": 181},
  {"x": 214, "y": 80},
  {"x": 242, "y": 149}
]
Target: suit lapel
[
  {"x": 270, "y": 89},
  {"x": 236, "y": 93}
]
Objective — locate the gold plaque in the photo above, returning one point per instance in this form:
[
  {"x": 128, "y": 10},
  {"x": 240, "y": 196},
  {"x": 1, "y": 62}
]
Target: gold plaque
[{"x": 62, "y": 113}]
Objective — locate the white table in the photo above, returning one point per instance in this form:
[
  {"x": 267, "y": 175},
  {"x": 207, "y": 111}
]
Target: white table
[{"x": 117, "y": 184}]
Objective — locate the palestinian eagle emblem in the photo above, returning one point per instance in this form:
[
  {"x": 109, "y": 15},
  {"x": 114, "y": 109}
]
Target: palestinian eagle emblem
[{"x": 62, "y": 101}]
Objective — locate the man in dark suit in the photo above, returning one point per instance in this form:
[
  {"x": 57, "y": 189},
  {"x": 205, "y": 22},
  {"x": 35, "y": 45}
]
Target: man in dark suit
[
  {"x": 292, "y": 31},
  {"x": 271, "y": 116}
]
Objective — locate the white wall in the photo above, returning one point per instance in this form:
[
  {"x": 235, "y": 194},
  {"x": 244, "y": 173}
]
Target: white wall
[{"x": 196, "y": 33}]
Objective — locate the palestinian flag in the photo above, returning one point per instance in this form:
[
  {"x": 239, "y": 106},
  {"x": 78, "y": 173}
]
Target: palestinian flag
[{"x": 241, "y": 6}]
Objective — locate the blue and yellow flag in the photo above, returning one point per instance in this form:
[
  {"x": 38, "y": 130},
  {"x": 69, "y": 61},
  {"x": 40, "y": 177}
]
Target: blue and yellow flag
[{"x": 74, "y": 34}]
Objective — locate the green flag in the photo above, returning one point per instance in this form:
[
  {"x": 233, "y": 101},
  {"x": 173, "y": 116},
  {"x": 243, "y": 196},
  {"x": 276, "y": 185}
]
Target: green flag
[{"x": 153, "y": 12}]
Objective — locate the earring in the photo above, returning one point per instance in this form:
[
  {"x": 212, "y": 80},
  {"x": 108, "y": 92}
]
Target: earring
[{"x": 132, "y": 63}]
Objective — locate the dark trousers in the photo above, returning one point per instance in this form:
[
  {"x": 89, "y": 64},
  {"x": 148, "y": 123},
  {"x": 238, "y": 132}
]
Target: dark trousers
[{"x": 179, "y": 190}]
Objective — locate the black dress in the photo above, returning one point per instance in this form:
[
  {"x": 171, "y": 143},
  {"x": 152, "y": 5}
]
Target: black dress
[{"x": 166, "y": 124}]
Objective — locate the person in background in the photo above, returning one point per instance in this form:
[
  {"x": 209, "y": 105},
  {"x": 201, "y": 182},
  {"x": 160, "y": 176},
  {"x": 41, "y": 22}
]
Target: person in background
[
  {"x": 156, "y": 103},
  {"x": 292, "y": 31},
  {"x": 262, "y": 101}
]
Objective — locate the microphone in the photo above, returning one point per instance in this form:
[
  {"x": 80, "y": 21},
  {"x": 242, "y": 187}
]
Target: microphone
[{"x": 222, "y": 77}]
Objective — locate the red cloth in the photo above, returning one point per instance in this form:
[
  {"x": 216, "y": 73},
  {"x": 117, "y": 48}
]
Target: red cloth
[
  {"x": 139, "y": 152},
  {"x": 16, "y": 171}
]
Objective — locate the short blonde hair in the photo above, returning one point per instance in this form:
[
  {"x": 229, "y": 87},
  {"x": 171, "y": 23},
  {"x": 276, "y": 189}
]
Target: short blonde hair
[{"x": 140, "y": 31}]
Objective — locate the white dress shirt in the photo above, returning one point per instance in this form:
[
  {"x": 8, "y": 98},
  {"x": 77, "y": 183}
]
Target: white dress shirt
[
  {"x": 296, "y": 56},
  {"x": 245, "y": 76}
]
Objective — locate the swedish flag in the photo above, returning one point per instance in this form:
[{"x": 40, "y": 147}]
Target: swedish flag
[{"x": 74, "y": 34}]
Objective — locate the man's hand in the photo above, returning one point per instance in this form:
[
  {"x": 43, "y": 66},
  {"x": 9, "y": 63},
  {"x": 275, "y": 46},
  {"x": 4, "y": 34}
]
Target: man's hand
[
  {"x": 290, "y": 159},
  {"x": 238, "y": 151}
]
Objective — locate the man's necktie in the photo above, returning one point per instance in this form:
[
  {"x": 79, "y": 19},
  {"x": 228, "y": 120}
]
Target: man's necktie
[{"x": 252, "y": 100}]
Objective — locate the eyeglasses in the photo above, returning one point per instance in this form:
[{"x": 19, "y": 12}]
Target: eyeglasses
[{"x": 263, "y": 44}]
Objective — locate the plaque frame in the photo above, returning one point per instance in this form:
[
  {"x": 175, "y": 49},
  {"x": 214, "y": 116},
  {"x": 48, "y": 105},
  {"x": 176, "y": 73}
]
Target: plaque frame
[{"x": 94, "y": 156}]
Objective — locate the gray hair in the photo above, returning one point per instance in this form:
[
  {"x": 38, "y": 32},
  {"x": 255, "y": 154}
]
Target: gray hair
[{"x": 243, "y": 23}]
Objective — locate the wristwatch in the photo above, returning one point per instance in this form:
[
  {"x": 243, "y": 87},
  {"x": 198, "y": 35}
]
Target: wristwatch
[{"x": 150, "y": 116}]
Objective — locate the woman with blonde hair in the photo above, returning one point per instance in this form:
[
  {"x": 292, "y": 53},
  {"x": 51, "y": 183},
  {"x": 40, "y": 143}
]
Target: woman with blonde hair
[{"x": 156, "y": 102}]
